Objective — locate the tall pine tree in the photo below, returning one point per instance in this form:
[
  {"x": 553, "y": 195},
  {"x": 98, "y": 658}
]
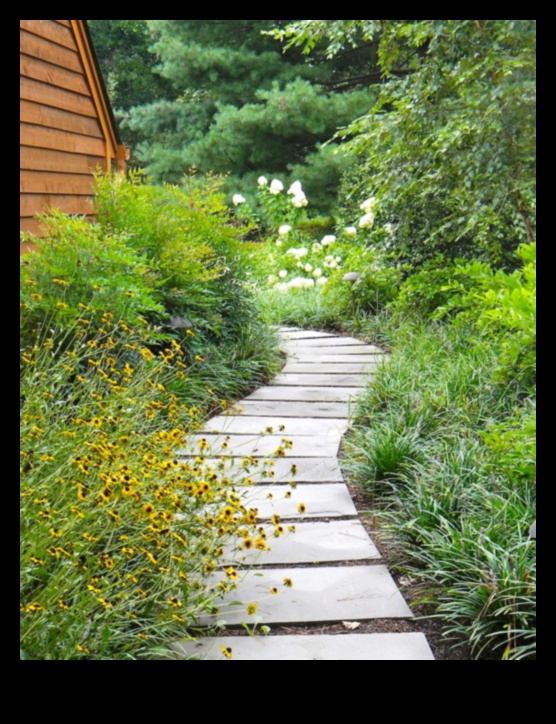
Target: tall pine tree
[{"x": 238, "y": 105}]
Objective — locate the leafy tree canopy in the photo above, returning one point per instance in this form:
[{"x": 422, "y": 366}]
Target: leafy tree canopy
[{"x": 449, "y": 147}]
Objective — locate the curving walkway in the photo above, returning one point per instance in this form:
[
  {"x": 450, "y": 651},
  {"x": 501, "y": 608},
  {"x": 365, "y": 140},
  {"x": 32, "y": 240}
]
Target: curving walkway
[{"x": 336, "y": 570}]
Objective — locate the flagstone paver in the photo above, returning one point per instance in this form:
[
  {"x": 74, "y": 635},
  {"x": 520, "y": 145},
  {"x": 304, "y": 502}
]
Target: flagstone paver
[
  {"x": 296, "y": 423},
  {"x": 331, "y": 367},
  {"x": 327, "y": 342},
  {"x": 307, "y": 358},
  {"x": 309, "y": 470},
  {"x": 242, "y": 425},
  {"x": 319, "y": 594},
  {"x": 318, "y": 542},
  {"x": 306, "y": 334},
  {"x": 364, "y": 349},
  {"x": 344, "y": 647},
  {"x": 242, "y": 445},
  {"x": 286, "y": 408},
  {"x": 305, "y": 394},
  {"x": 320, "y": 380},
  {"x": 327, "y": 500}
]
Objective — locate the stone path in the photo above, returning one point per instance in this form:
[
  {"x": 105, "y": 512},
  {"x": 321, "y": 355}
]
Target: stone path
[{"x": 337, "y": 574}]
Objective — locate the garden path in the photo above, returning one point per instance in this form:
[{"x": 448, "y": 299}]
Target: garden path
[{"x": 336, "y": 570}]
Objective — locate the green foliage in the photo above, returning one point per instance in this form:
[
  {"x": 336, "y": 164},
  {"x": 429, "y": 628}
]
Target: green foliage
[
  {"x": 191, "y": 247},
  {"x": 449, "y": 146},
  {"x": 80, "y": 273}
]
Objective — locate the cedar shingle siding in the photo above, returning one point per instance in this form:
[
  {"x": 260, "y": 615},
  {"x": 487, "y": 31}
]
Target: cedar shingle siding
[{"x": 66, "y": 126}]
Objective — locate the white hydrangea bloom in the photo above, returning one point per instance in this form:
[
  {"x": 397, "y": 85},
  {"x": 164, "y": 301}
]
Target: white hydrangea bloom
[
  {"x": 299, "y": 265},
  {"x": 308, "y": 268},
  {"x": 284, "y": 229},
  {"x": 333, "y": 264},
  {"x": 322, "y": 280},
  {"x": 295, "y": 189},
  {"x": 262, "y": 181},
  {"x": 367, "y": 220},
  {"x": 278, "y": 242},
  {"x": 299, "y": 200},
  {"x": 368, "y": 205},
  {"x": 350, "y": 231},
  {"x": 301, "y": 283},
  {"x": 389, "y": 229},
  {"x": 282, "y": 286},
  {"x": 238, "y": 199},
  {"x": 316, "y": 247},
  {"x": 297, "y": 253},
  {"x": 276, "y": 186},
  {"x": 317, "y": 273},
  {"x": 272, "y": 279},
  {"x": 328, "y": 240},
  {"x": 282, "y": 273},
  {"x": 328, "y": 258}
]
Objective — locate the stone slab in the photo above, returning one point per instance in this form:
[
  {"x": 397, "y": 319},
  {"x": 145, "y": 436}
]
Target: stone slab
[
  {"x": 306, "y": 334},
  {"x": 242, "y": 424},
  {"x": 334, "y": 368},
  {"x": 307, "y": 357},
  {"x": 267, "y": 408},
  {"x": 342, "y": 647},
  {"x": 322, "y": 380},
  {"x": 330, "y": 500},
  {"x": 315, "y": 542},
  {"x": 309, "y": 470},
  {"x": 305, "y": 394},
  {"x": 328, "y": 342},
  {"x": 321, "y": 594},
  {"x": 261, "y": 446},
  {"x": 356, "y": 349}
]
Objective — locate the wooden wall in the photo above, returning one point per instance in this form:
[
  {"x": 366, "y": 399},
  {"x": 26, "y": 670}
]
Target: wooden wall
[{"x": 65, "y": 131}]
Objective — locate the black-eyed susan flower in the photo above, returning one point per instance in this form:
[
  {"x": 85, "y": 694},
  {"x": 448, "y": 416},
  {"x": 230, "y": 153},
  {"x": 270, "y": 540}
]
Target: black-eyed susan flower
[
  {"x": 252, "y": 609},
  {"x": 34, "y": 607},
  {"x": 288, "y": 583},
  {"x": 232, "y": 574},
  {"x": 173, "y": 601},
  {"x": 301, "y": 508},
  {"x": 227, "y": 652},
  {"x": 274, "y": 591}
]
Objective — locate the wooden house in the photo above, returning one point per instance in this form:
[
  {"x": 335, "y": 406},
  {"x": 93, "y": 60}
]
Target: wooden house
[{"x": 67, "y": 129}]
